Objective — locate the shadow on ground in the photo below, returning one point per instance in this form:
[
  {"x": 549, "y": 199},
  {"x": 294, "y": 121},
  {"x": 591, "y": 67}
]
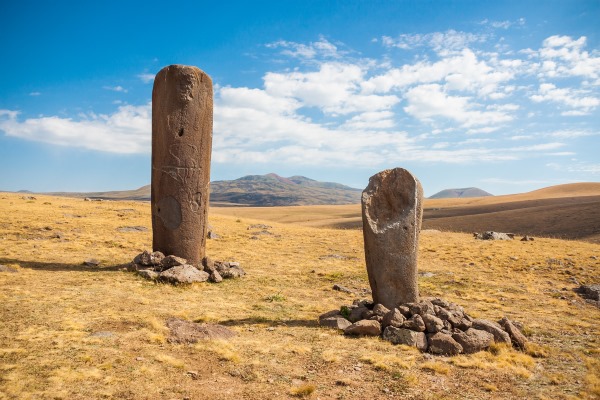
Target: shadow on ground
[{"x": 45, "y": 266}]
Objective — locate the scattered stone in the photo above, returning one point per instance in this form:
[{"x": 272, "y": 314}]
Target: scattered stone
[
  {"x": 380, "y": 310},
  {"x": 259, "y": 226},
  {"x": 6, "y": 268},
  {"x": 357, "y": 313},
  {"x": 182, "y": 331},
  {"x": 527, "y": 239},
  {"x": 336, "y": 322},
  {"x": 500, "y": 336},
  {"x": 92, "y": 199},
  {"x": 102, "y": 334},
  {"x": 473, "y": 340},
  {"x": 149, "y": 274},
  {"x": 149, "y": 259},
  {"x": 193, "y": 374},
  {"x": 364, "y": 328},
  {"x": 406, "y": 337},
  {"x": 491, "y": 235},
  {"x": 57, "y": 235},
  {"x": 132, "y": 229},
  {"x": 183, "y": 274},
  {"x": 393, "y": 318},
  {"x": 422, "y": 307},
  {"x": 91, "y": 262},
  {"x": 215, "y": 277},
  {"x": 341, "y": 288},
  {"x": 433, "y": 324},
  {"x": 517, "y": 338},
  {"x": 171, "y": 261},
  {"x": 415, "y": 323},
  {"x": 392, "y": 211},
  {"x": 441, "y": 343},
  {"x": 212, "y": 235},
  {"x": 208, "y": 264},
  {"x": 426, "y": 274},
  {"x": 591, "y": 292}
]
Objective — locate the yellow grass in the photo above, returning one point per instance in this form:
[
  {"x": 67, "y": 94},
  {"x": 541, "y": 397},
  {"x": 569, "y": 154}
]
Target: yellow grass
[{"x": 70, "y": 331}]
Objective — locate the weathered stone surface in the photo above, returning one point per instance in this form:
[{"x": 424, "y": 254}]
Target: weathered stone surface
[
  {"x": 491, "y": 235},
  {"x": 182, "y": 114},
  {"x": 404, "y": 310},
  {"x": 500, "y": 336},
  {"x": 392, "y": 211},
  {"x": 432, "y": 323},
  {"x": 380, "y": 309},
  {"x": 406, "y": 337},
  {"x": 336, "y": 322},
  {"x": 393, "y": 318},
  {"x": 172, "y": 261},
  {"x": 357, "y": 313},
  {"x": 415, "y": 323},
  {"x": 440, "y": 343},
  {"x": 590, "y": 292},
  {"x": 208, "y": 264},
  {"x": 421, "y": 308},
  {"x": 364, "y": 328},
  {"x": 149, "y": 274},
  {"x": 517, "y": 338},
  {"x": 473, "y": 340},
  {"x": 149, "y": 259},
  {"x": 215, "y": 277},
  {"x": 183, "y": 274},
  {"x": 464, "y": 324},
  {"x": 91, "y": 262},
  {"x": 232, "y": 272}
]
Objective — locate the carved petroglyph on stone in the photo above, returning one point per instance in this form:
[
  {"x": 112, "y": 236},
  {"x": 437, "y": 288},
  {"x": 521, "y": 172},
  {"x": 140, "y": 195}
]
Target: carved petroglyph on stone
[
  {"x": 392, "y": 211},
  {"x": 182, "y": 111}
]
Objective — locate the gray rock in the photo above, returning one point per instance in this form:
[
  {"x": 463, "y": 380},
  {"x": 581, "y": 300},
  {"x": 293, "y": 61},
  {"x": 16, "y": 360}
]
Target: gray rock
[
  {"x": 357, "y": 313},
  {"x": 215, "y": 277},
  {"x": 473, "y": 340},
  {"x": 211, "y": 235},
  {"x": 232, "y": 273},
  {"x": 415, "y": 323},
  {"x": 91, "y": 262},
  {"x": 336, "y": 322},
  {"x": 422, "y": 307},
  {"x": 590, "y": 292},
  {"x": 364, "y": 328},
  {"x": 149, "y": 274},
  {"x": 406, "y": 337},
  {"x": 527, "y": 239},
  {"x": 208, "y": 264},
  {"x": 183, "y": 274},
  {"x": 393, "y": 318},
  {"x": 404, "y": 310},
  {"x": 491, "y": 235},
  {"x": 433, "y": 324},
  {"x": 500, "y": 336},
  {"x": 392, "y": 211},
  {"x": 341, "y": 288},
  {"x": 149, "y": 259},
  {"x": 436, "y": 301},
  {"x": 517, "y": 338},
  {"x": 380, "y": 309},
  {"x": 464, "y": 324},
  {"x": 440, "y": 343},
  {"x": 172, "y": 261},
  {"x": 132, "y": 229}
]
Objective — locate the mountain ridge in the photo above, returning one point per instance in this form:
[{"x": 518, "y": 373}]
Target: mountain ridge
[{"x": 460, "y": 193}]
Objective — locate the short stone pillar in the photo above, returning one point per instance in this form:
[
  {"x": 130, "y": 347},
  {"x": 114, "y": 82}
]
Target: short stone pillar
[
  {"x": 182, "y": 119},
  {"x": 392, "y": 209}
]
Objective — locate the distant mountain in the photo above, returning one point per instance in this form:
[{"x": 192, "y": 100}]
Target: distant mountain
[
  {"x": 460, "y": 193},
  {"x": 274, "y": 190},
  {"x": 254, "y": 190}
]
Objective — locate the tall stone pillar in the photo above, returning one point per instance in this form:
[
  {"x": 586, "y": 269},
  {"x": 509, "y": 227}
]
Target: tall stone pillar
[
  {"x": 182, "y": 118},
  {"x": 392, "y": 211}
]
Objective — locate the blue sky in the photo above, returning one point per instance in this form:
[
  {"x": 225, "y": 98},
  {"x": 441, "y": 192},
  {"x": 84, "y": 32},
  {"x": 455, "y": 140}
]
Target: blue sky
[{"x": 501, "y": 95}]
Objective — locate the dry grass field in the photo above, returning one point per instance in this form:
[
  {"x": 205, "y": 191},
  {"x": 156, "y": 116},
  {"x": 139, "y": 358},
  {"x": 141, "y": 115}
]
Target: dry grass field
[{"x": 69, "y": 331}]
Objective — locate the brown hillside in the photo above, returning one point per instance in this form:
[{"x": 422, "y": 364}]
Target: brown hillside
[{"x": 569, "y": 211}]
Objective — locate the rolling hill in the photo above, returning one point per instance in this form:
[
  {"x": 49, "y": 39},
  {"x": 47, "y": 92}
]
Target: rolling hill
[
  {"x": 460, "y": 193},
  {"x": 253, "y": 190}
]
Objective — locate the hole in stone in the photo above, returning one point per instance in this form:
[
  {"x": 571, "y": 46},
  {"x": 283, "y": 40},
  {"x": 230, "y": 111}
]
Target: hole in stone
[
  {"x": 181, "y": 132},
  {"x": 405, "y": 228},
  {"x": 158, "y": 209}
]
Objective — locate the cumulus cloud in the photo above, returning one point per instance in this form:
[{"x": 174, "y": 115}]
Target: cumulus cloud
[
  {"x": 146, "y": 78},
  {"x": 319, "y": 48},
  {"x": 563, "y": 56},
  {"x": 577, "y": 100},
  {"x": 115, "y": 88},
  {"x": 127, "y": 131}
]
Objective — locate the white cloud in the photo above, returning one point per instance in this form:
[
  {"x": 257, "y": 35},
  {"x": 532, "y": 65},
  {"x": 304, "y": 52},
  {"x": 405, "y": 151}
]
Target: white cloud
[
  {"x": 563, "y": 56},
  {"x": 572, "y": 133},
  {"x": 427, "y": 102},
  {"x": 575, "y": 99},
  {"x": 503, "y": 24},
  {"x": 320, "y": 48},
  {"x": 440, "y": 42},
  {"x": 35, "y": 93},
  {"x": 128, "y": 130},
  {"x": 146, "y": 78},
  {"x": 115, "y": 88}
]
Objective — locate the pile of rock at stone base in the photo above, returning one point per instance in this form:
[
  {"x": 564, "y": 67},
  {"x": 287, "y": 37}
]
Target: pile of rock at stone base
[
  {"x": 172, "y": 269},
  {"x": 433, "y": 325}
]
